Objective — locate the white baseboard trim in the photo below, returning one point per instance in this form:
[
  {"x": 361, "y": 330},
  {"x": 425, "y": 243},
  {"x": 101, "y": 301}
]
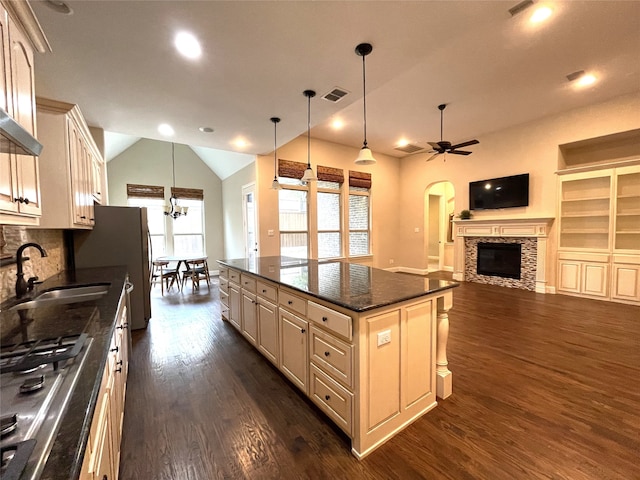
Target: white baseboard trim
[
  {"x": 551, "y": 290},
  {"x": 415, "y": 271}
]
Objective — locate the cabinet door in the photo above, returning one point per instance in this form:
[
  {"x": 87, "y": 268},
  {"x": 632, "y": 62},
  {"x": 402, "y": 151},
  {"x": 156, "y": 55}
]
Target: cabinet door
[
  {"x": 268, "y": 330},
  {"x": 234, "y": 306},
  {"x": 8, "y": 182},
  {"x": 569, "y": 276},
  {"x": 104, "y": 465},
  {"x": 594, "y": 279},
  {"x": 24, "y": 112},
  {"x": 627, "y": 205},
  {"x": 626, "y": 282},
  {"x": 249, "y": 317},
  {"x": 294, "y": 354}
]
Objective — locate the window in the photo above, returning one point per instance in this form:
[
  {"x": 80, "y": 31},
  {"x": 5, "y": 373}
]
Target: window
[
  {"x": 359, "y": 213},
  {"x": 152, "y": 198},
  {"x": 294, "y": 226},
  {"x": 329, "y": 220},
  {"x": 188, "y": 230}
]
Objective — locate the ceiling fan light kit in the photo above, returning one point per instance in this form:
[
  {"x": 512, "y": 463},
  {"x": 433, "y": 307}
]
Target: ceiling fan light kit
[
  {"x": 443, "y": 146},
  {"x": 365, "y": 157}
]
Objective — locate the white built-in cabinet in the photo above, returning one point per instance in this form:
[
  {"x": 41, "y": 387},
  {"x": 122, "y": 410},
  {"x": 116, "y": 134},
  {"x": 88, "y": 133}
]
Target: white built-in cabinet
[
  {"x": 72, "y": 165},
  {"x": 599, "y": 233},
  {"x": 368, "y": 386},
  {"x": 20, "y": 198}
]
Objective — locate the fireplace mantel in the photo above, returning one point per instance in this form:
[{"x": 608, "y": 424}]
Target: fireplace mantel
[{"x": 504, "y": 227}]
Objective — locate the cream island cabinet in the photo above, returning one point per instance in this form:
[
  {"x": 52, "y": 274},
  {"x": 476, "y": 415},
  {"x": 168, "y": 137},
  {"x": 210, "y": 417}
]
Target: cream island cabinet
[{"x": 367, "y": 346}]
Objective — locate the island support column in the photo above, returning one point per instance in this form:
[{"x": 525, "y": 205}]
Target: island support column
[{"x": 444, "y": 376}]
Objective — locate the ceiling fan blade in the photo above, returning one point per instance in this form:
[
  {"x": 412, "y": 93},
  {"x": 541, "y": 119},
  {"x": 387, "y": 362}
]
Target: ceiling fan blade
[
  {"x": 434, "y": 145},
  {"x": 432, "y": 157},
  {"x": 459, "y": 152},
  {"x": 465, "y": 144}
]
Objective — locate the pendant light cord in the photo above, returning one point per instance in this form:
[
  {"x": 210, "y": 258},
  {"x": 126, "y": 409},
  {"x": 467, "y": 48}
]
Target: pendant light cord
[
  {"x": 173, "y": 163},
  {"x": 441, "y": 116},
  {"x": 364, "y": 100},
  {"x": 275, "y": 146},
  {"x": 308, "y": 131}
]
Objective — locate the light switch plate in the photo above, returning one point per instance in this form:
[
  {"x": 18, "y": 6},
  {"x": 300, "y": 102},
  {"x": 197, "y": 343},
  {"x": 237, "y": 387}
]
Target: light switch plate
[{"x": 270, "y": 233}]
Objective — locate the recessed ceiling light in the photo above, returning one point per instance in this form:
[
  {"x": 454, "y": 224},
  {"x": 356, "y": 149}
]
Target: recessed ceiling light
[
  {"x": 166, "y": 130},
  {"x": 581, "y": 78},
  {"x": 541, "y": 14},
  {"x": 188, "y": 46},
  {"x": 337, "y": 124},
  {"x": 240, "y": 143},
  {"x": 206, "y": 129},
  {"x": 403, "y": 142}
]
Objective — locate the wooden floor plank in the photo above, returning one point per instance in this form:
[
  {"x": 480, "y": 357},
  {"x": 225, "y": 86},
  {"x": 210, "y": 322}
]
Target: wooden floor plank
[{"x": 545, "y": 387}]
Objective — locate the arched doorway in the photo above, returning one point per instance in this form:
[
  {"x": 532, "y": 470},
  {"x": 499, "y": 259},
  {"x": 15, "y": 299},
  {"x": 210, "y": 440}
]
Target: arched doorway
[{"x": 439, "y": 208}]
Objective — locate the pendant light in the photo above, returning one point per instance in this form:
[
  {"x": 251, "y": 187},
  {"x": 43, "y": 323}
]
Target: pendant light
[
  {"x": 365, "y": 157},
  {"x": 309, "y": 176},
  {"x": 275, "y": 185},
  {"x": 173, "y": 210}
]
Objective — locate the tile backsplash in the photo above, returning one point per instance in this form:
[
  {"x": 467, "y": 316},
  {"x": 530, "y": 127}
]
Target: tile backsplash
[{"x": 12, "y": 237}]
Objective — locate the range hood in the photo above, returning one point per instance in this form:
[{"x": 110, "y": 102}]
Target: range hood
[{"x": 15, "y": 139}]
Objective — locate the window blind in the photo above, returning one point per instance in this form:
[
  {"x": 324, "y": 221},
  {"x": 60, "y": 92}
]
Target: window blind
[
  {"x": 187, "y": 193},
  {"x": 359, "y": 179},
  {"x": 330, "y": 174},
  {"x": 291, "y": 169},
  {"x": 144, "y": 191}
]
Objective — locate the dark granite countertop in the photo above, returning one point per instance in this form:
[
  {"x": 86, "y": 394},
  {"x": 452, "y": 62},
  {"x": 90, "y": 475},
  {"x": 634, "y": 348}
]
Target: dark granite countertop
[
  {"x": 350, "y": 285},
  {"x": 97, "y": 319}
]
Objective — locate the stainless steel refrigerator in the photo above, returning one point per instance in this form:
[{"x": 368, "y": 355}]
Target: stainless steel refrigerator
[{"x": 120, "y": 236}]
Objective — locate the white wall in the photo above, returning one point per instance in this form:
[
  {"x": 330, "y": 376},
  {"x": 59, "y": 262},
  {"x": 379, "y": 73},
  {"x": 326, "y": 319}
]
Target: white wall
[{"x": 148, "y": 162}]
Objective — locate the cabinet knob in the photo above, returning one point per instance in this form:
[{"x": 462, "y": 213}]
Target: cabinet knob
[
  {"x": 302, "y": 330},
  {"x": 324, "y": 319},
  {"x": 327, "y": 397},
  {"x": 326, "y": 354},
  {"x": 264, "y": 291},
  {"x": 18, "y": 199},
  {"x": 26, "y": 201},
  {"x": 290, "y": 302}
]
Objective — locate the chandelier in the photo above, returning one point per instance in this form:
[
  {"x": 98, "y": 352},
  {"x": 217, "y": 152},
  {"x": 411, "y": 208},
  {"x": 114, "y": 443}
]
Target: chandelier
[{"x": 174, "y": 210}]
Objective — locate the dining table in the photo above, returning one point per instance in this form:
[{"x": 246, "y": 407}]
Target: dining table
[{"x": 181, "y": 259}]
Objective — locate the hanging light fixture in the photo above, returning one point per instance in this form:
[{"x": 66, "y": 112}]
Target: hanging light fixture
[
  {"x": 275, "y": 185},
  {"x": 174, "y": 210},
  {"x": 309, "y": 176},
  {"x": 365, "y": 157}
]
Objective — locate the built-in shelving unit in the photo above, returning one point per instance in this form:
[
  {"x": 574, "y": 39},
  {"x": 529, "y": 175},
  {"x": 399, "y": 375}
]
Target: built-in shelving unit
[{"x": 599, "y": 232}]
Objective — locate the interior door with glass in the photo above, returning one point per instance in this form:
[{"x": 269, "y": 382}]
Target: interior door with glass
[{"x": 249, "y": 221}]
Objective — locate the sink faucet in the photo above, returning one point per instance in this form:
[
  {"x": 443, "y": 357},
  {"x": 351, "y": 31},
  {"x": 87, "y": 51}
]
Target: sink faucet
[{"x": 23, "y": 287}]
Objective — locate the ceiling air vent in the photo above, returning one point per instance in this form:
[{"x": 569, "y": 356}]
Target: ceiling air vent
[
  {"x": 335, "y": 95},
  {"x": 409, "y": 148}
]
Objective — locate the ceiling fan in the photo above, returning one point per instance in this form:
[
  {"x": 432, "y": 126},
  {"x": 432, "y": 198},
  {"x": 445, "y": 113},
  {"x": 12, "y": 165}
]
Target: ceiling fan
[{"x": 438, "y": 148}]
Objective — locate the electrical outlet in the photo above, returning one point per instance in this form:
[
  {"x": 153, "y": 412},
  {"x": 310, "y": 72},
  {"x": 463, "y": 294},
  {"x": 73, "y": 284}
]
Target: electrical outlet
[
  {"x": 384, "y": 337},
  {"x": 270, "y": 233},
  {"x": 391, "y": 261},
  {"x": 416, "y": 230}
]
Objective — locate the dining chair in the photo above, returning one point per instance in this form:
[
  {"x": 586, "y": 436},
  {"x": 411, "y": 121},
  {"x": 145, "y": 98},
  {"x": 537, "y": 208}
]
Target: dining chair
[
  {"x": 164, "y": 275},
  {"x": 197, "y": 269}
]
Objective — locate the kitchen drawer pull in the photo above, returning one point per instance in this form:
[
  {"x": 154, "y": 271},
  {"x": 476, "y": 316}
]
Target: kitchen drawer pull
[
  {"x": 118, "y": 370},
  {"x": 115, "y": 349},
  {"x": 119, "y": 362},
  {"x": 290, "y": 302},
  {"x": 264, "y": 291},
  {"x": 324, "y": 319},
  {"x": 327, "y": 397},
  {"x": 302, "y": 330},
  {"x": 326, "y": 354},
  {"x": 123, "y": 326}
]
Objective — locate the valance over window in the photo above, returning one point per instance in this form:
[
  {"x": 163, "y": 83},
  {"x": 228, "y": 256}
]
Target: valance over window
[
  {"x": 187, "y": 193},
  {"x": 144, "y": 191},
  {"x": 330, "y": 174},
  {"x": 291, "y": 169},
  {"x": 359, "y": 179}
]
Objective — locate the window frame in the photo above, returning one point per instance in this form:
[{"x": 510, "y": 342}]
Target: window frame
[
  {"x": 355, "y": 191},
  {"x": 304, "y": 188},
  {"x": 340, "y": 231}
]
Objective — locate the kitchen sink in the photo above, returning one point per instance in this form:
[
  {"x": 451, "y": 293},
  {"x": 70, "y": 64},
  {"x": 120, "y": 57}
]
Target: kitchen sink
[{"x": 64, "y": 295}]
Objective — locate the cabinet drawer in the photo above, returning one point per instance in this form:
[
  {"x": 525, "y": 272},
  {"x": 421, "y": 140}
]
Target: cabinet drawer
[
  {"x": 248, "y": 282},
  {"x": 293, "y": 302},
  {"x": 223, "y": 272},
  {"x": 224, "y": 298},
  {"x": 224, "y": 285},
  {"x": 267, "y": 291},
  {"x": 332, "y": 398},
  {"x": 331, "y": 320},
  {"x": 234, "y": 276},
  {"x": 333, "y": 356}
]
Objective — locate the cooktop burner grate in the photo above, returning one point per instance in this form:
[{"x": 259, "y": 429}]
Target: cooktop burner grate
[{"x": 26, "y": 356}]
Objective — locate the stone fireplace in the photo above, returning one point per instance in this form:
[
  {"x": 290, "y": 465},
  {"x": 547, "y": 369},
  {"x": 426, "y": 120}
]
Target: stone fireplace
[{"x": 498, "y": 241}]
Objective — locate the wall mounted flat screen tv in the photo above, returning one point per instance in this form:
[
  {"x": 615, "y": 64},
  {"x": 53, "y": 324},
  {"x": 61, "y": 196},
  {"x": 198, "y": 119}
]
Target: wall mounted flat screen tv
[{"x": 504, "y": 192}]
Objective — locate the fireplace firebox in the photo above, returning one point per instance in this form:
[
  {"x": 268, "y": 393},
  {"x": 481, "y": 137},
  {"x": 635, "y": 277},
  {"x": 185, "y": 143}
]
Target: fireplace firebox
[{"x": 499, "y": 259}]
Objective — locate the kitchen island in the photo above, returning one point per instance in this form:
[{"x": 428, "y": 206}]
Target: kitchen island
[{"x": 367, "y": 346}]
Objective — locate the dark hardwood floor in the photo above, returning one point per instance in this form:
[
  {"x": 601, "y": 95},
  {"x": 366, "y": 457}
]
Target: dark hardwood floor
[{"x": 544, "y": 387}]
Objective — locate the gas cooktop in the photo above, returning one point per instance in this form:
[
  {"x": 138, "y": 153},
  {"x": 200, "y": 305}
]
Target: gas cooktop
[{"x": 37, "y": 378}]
